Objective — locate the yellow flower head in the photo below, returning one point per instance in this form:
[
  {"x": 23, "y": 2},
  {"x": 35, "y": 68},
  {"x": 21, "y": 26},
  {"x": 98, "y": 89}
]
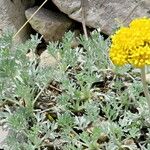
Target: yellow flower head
[{"x": 132, "y": 44}]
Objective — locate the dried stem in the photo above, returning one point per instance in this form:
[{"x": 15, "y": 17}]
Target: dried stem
[
  {"x": 29, "y": 19},
  {"x": 83, "y": 12}
]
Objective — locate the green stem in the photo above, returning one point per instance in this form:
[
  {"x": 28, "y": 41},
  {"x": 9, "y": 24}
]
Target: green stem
[{"x": 145, "y": 86}]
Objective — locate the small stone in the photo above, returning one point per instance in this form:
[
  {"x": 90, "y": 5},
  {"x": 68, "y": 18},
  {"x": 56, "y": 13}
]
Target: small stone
[
  {"x": 31, "y": 56},
  {"x": 129, "y": 143},
  {"x": 47, "y": 60},
  {"x": 3, "y": 135},
  {"x": 75, "y": 42}
]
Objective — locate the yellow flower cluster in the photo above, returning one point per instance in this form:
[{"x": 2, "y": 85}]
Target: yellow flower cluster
[{"x": 131, "y": 45}]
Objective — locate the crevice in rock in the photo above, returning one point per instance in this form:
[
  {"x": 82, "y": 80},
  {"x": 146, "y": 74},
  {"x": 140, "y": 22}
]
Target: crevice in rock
[{"x": 48, "y": 5}]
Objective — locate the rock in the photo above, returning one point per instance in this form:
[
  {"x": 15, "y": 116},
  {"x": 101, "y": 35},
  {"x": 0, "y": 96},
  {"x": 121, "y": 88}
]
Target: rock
[
  {"x": 75, "y": 42},
  {"x": 12, "y": 14},
  {"x": 31, "y": 56},
  {"x": 3, "y": 135},
  {"x": 44, "y": 60},
  {"x": 102, "y": 13},
  {"x": 47, "y": 60},
  {"x": 49, "y": 24},
  {"x": 129, "y": 143}
]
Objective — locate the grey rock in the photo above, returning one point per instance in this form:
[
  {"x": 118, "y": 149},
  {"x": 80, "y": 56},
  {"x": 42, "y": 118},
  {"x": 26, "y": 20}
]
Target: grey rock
[
  {"x": 3, "y": 135},
  {"x": 47, "y": 60},
  {"x": 49, "y": 24},
  {"x": 12, "y": 15},
  {"x": 102, "y": 13}
]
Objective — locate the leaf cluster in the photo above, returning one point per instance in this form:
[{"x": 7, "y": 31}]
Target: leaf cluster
[{"x": 81, "y": 103}]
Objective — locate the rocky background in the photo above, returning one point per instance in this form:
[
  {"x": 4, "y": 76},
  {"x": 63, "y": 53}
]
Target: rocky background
[{"x": 59, "y": 16}]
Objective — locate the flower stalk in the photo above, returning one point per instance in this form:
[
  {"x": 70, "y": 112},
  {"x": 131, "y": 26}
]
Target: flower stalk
[{"x": 145, "y": 86}]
